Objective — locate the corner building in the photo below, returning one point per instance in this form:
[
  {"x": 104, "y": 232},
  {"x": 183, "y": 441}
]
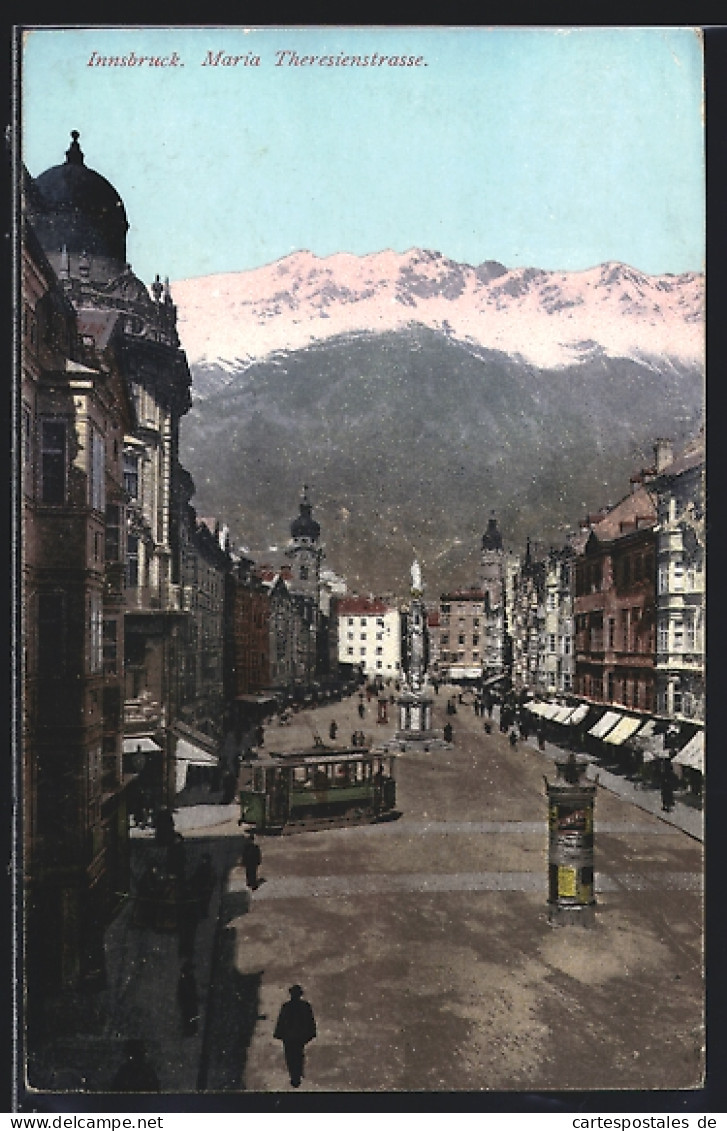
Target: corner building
[{"x": 82, "y": 226}]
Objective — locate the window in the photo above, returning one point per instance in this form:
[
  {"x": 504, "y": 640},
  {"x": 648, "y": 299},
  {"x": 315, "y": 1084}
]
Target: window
[
  {"x": 663, "y": 637},
  {"x": 363, "y": 635},
  {"x": 362, "y": 651},
  {"x": 53, "y": 461},
  {"x": 349, "y": 636},
  {"x": 691, "y": 633},
  {"x": 662, "y": 579},
  {"x": 678, "y": 636},
  {"x": 132, "y": 561},
  {"x": 349, "y": 651},
  {"x": 350, "y": 620},
  {"x": 110, "y": 650},
  {"x": 113, "y": 533},
  {"x": 475, "y": 640},
  {"x": 551, "y": 642},
  {"x": 303, "y": 573},
  {"x": 95, "y": 616},
  {"x": 678, "y": 576},
  {"x": 97, "y": 472},
  {"x": 460, "y": 639},
  {"x": 379, "y": 651},
  {"x": 363, "y": 622}
]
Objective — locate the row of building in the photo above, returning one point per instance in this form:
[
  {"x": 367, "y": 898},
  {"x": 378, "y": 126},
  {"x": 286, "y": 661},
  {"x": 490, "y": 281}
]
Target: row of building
[{"x": 145, "y": 644}]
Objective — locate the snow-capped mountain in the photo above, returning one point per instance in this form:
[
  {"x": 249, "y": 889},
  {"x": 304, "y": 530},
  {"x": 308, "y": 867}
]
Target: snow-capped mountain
[{"x": 545, "y": 318}]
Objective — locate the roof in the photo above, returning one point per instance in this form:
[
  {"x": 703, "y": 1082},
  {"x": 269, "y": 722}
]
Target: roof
[
  {"x": 692, "y": 456},
  {"x": 363, "y": 606},
  {"x": 473, "y": 594},
  {"x": 635, "y": 512}
]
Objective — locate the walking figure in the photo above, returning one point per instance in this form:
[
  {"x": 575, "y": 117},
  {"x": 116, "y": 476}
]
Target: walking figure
[
  {"x": 188, "y": 999},
  {"x": 667, "y": 790},
  {"x": 295, "y": 1027},
  {"x": 136, "y": 1074},
  {"x": 333, "y": 730},
  {"x": 251, "y": 859}
]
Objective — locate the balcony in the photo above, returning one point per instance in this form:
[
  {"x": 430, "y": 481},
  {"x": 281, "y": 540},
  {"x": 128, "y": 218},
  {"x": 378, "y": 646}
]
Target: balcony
[{"x": 156, "y": 599}]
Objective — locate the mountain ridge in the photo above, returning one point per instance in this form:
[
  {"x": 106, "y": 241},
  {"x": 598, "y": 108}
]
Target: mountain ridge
[{"x": 548, "y": 318}]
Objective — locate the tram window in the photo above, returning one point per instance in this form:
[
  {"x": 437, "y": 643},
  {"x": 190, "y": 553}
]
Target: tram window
[{"x": 300, "y": 774}]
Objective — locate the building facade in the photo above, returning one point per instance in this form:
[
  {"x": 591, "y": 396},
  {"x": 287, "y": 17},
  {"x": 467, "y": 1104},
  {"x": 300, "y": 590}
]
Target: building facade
[
  {"x": 369, "y": 636},
  {"x": 82, "y": 226},
  {"x": 680, "y": 591},
  {"x": 614, "y": 606},
  {"x": 74, "y": 412}
]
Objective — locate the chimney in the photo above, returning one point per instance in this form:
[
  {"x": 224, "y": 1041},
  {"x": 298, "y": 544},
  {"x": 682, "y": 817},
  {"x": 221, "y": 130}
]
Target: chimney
[{"x": 663, "y": 454}]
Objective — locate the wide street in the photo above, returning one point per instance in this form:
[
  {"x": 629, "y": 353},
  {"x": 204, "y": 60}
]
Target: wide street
[{"x": 424, "y": 946}]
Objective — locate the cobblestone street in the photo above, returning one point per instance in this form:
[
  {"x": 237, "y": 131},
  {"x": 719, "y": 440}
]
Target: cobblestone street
[{"x": 425, "y": 949}]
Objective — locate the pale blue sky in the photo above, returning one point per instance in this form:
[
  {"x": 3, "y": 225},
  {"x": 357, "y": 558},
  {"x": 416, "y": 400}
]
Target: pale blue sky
[{"x": 544, "y": 147}]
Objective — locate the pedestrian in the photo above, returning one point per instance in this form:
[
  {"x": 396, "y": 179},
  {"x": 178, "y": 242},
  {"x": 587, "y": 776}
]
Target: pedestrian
[
  {"x": 667, "y": 789},
  {"x": 361, "y": 710},
  {"x": 295, "y": 1027},
  {"x": 477, "y": 708},
  {"x": 251, "y": 859},
  {"x": 448, "y": 732},
  {"x": 229, "y": 788},
  {"x": 333, "y": 730},
  {"x": 188, "y": 999},
  {"x": 541, "y": 738},
  {"x": 136, "y": 1074}
]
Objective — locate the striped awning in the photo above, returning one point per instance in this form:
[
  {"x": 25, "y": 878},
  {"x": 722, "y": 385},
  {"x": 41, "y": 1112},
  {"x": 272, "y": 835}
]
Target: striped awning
[
  {"x": 141, "y": 745},
  {"x": 693, "y": 753},
  {"x": 624, "y": 728},
  {"x": 189, "y": 752},
  {"x": 578, "y": 715},
  {"x": 562, "y": 715},
  {"x": 605, "y": 724}
]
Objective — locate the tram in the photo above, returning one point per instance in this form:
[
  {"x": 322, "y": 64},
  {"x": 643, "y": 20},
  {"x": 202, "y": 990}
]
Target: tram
[{"x": 317, "y": 788}]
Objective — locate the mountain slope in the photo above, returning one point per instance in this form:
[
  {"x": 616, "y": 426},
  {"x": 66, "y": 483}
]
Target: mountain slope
[{"x": 410, "y": 437}]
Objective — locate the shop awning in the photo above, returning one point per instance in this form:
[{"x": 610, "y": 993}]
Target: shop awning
[
  {"x": 693, "y": 753},
  {"x": 605, "y": 724},
  {"x": 625, "y": 727},
  {"x": 187, "y": 751},
  {"x": 535, "y": 708},
  {"x": 562, "y": 715},
  {"x": 578, "y": 715},
  {"x": 141, "y": 745},
  {"x": 259, "y": 699}
]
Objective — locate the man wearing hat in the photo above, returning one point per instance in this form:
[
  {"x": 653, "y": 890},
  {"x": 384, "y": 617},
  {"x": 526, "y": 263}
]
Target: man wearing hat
[{"x": 295, "y": 1027}]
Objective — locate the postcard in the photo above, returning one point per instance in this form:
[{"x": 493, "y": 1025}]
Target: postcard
[{"x": 360, "y": 544}]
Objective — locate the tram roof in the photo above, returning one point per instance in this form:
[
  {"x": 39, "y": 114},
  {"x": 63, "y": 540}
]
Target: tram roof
[{"x": 317, "y": 756}]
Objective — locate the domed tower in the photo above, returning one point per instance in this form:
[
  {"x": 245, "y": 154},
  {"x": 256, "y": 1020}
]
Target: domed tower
[
  {"x": 492, "y": 564},
  {"x": 79, "y": 219},
  {"x": 305, "y": 552}
]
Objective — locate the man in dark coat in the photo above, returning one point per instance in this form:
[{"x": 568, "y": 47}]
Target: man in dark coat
[
  {"x": 295, "y": 1027},
  {"x": 251, "y": 859},
  {"x": 136, "y": 1074}
]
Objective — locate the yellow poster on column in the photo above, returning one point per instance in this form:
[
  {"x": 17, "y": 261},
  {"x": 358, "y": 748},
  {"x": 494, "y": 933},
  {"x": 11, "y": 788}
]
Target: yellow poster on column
[{"x": 566, "y": 881}]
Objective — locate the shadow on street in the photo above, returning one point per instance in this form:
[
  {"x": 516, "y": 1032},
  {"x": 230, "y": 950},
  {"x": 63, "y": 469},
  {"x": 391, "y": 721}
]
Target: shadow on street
[{"x": 233, "y": 1008}]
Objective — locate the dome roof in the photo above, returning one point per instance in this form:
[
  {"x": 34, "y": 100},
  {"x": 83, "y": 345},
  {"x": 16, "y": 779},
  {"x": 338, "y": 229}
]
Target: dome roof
[
  {"x": 305, "y": 526},
  {"x": 80, "y": 208}
]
